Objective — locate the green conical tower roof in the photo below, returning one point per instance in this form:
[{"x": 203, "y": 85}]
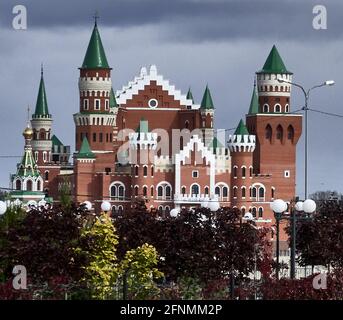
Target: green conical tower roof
[
  {"x": 42, "y": 110},
  {"x": 241, "y": 129},
  {"x": 85, "y": 151},
  {"x": 190, "y": 95},
  {"x": 95, "y": 57},
  {"x": 254, "y": 102},
  {"x": 207, "y": 102},
  {"x": 274, "y": 63},
  {"x": 113, "y": 102}
]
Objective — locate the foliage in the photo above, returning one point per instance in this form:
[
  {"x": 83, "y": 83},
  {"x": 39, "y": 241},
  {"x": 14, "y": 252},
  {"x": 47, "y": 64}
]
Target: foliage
[
  {"x": 97, "y": 250},
  {"x": 325, "y": 195},
  {"x": 198, "y": 244},
  {"x": 140, "y": 272},
  {"x": 65, "y": 194},
  {"x": 190, "y": 288},
  {"x": 43, "y": 242},
  {"x": 320, "y": 239}
]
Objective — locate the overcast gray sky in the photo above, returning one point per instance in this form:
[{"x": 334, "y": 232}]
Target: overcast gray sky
[{"x": 192, "y": 42}]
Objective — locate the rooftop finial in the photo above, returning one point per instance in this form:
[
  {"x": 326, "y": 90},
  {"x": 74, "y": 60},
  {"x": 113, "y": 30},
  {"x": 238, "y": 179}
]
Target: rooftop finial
[
  {"x": 28, "y": 114},
  {"x": 96, "y": 17},
  {"x": 41, "y": 69}
]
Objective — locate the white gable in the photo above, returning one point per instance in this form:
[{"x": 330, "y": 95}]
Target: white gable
[{"x": 133, "y": 87}]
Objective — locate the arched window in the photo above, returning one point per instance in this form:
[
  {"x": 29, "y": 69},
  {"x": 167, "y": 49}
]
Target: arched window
[
  {"x": 18, "y": 185},
  {"x": 243, "y": 172},
  {"x": 121, "y": 192},
  {"x": 266, "y": 108},
  {"x": 254, "y": 212},
  {"x": 279, "y": 133},
  {"x": 235, "y": 192},
  {"x": 136, "y": 171},
  {"x": 250, "y": 171},
  {"x": 269, "y": 132},
  {"x": 195, "y": 189},
  {"x": 167, "y": 210},
  {"x": 277, "y": 108},
  {"x": 183, "y": 190},
  {"x": 113, "y": 191},
  {"x": 261, "y": 193},
  {"x": 225, "y": 192},
  {"x": 38, "y": 185},
  {"x": 287, "y": 108},
  {"x": 136, "y": 191},
  {"x": 187, "y": 124},
  {"x": 217, "y": 191},
  {"x": 260, "y": 212},
  {"x": 290, "y": 133},
  {"x": 120, "y": 210},
  {"x": 235, "y": 172},
  {"x": 152, "y": 171},
  {"x": 145, "y": 191},
  {"x": 273, "y": 192},
  {"x": 160, "y": 210},
  {"x": 29, "y": 185},
  {"x": 145, "y": 171},
  {"x": 160, "y": 191},
  {"x": 254, "y": 192},
  {"x": 114, "y": 210},
  {"x": 243, "y": 211},
  {"x": 152, "y": 191},
  {"x": 168, "y": 192},
  {"x": 207, "y": 191},
  {"x": 243, "y": 192}
]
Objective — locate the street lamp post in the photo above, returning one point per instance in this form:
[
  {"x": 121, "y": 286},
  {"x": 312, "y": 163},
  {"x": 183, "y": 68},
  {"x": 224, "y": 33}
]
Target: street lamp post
[
  {"x": 305, "y": 108},
  {"x": 279, "y": 208}
]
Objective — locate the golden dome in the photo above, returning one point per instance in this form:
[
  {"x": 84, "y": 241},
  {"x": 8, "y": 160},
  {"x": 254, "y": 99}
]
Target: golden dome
[{"x": 28, "y": 133}]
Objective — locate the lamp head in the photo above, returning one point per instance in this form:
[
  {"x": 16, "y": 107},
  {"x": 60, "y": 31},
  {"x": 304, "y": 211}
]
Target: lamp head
[{"x": 329, "y": 82}]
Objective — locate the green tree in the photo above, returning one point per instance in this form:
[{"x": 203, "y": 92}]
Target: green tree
[
  {"x": 97, "y": 250},
  {"x": 139, "y": 272}
]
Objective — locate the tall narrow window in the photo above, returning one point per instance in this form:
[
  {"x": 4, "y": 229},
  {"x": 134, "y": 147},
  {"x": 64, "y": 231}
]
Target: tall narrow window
[
  {"x": 225, "y": 192},
  {"x": 152, "y": 191},
  {"x": 269, "y": 133},
  {"x": 260, "y": 212},
  {"x": 207, "y": 191},
  {"x": 18, "y": 185},
  {"x": 136, "y": 191},
  {"x": 136, "y": 171},
  {"x": 195, "y": 189},
  {"x": 160, "y": 191},
  {"x": 94, "y": 137},
  {"x": 85, "y": 104},
  {"x": 290, "y": 133},
  {"x": 145, "y": 171},
  {"x": 29, "y": 185},
  {"x": 279, "y": 132},
  {"x": 97, "y": 104},
  {"x": 235, "y": 172},
  {"x": 243, "y": 172},
  {"x": 243, "y": 192},
  {"x": 183, "y": 190},
  {"x": 145, "y": 191},
  {"x": 235, "y": 192},
  {"x": 168, "y": 192},
  {"x": 152, "y": 171}
]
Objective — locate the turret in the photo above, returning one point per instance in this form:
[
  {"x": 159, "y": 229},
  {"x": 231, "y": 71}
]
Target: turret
[
  {"x": 95, "y": 119},
  {"x": 27, "y": 183},
  {"x": 41, "y": 125},
  {"x": 241, "y": 145},
  {"x": 274, "y": 97},
  {"x": 207, "y": 114}
]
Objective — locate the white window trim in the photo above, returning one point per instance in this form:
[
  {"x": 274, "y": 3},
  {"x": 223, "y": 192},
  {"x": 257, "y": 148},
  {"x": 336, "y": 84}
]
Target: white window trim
[
  {"x": 195, "y": 172},
  {"x": 95, "y": 102},
  {"x": 86, "y": 104}
]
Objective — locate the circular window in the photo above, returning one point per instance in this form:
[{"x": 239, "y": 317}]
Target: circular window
[{"x": 153, "y": 103}]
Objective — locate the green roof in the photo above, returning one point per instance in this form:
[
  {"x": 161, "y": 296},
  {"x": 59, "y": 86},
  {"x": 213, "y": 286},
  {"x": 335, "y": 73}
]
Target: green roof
[
  {"x": 95, "y": 57},
  {"x": 241, "y": 129},
  {"x": 42, "y": 110},
  {"x": 254, "y": 102},
  {"x": 143, "y": 126},
  {"x": 190, "y": 95},
  {"x": 56, "y": 141},
  {"x": 207, "y": 102},
  {"x": 113, "y": 102},
  {"x": 274, "y": 63},
  {"x": 215, "y": 143},
  {"x": 27, "y": 167},
  {"x": 85, "y": 151}
]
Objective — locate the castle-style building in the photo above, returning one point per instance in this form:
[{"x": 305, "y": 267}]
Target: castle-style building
[{"x": 150, "y": 140}]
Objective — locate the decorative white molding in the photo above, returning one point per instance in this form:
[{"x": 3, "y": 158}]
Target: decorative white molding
[{"x": 144, "y": 79}]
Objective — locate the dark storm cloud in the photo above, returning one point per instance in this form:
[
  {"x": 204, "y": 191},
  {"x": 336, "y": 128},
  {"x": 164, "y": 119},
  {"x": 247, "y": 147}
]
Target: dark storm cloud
[{"x": 189, "y": 20}]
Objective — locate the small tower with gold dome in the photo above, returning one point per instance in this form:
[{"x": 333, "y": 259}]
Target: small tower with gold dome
[{"x": 27, "y": 183}]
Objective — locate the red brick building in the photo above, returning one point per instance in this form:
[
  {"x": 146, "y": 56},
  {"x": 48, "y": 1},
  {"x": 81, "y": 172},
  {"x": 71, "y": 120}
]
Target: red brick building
[{"x": 150, "y": 140}]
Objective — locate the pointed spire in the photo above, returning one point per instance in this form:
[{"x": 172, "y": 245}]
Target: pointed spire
[
  {"x": 95, "y": 57},
  {"x": 85, "y": 150},
  {"x": 113, "y": 102},
  {"x": 207, "y": 102},
  {"x": 190, "y": 95},
  {"x": 241, "y": 129},
  {"x": 274, "y": 63},
  {"x": 42, "y": 110},
  {"x": 254, "y": 101}
]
